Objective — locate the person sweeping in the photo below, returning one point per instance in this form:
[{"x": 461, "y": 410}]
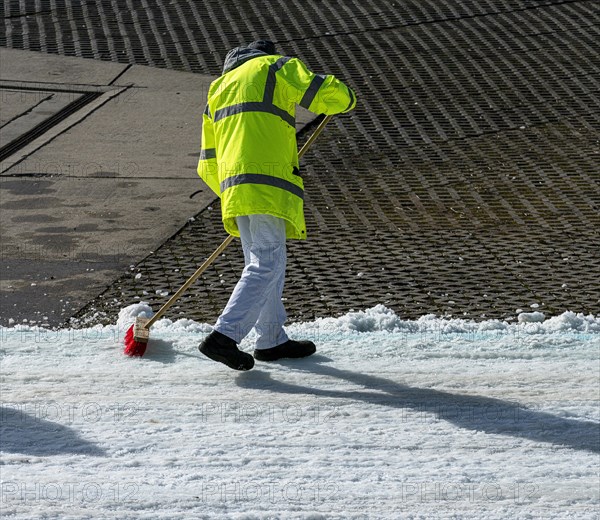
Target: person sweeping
[{"x": 249, "y": 158}]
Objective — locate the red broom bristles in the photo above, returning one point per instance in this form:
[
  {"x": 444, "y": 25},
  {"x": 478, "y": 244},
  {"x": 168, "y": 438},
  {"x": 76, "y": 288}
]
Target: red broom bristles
[{"x": 133, "y": 348}]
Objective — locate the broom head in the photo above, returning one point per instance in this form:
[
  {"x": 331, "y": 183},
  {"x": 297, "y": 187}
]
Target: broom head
[{"x": 136, "y": 338}]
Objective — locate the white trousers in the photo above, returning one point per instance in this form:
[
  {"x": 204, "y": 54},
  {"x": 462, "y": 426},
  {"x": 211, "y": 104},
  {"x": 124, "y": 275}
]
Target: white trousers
[{"x": 256, "y": 299}]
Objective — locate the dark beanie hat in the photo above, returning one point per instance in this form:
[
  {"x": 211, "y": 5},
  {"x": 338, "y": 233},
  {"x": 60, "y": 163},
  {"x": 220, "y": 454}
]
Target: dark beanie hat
[{"x": 265, "y": 46}]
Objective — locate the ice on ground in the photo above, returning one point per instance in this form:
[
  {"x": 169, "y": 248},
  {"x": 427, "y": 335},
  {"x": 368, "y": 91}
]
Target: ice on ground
[{"x": 431, "y": 418}]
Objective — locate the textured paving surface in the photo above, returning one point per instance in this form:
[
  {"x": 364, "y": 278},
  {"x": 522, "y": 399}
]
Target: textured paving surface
[{"x": 466, "y": 183}]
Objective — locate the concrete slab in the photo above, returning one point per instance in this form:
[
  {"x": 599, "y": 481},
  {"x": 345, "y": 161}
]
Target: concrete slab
[
  {"x": 83, "y": 214},
  {"x": 76, "y": 107},
  {"x": 65, "y": 239},
  {"x": 32, "y": 67},
  {"x": 48, "y": 106},
  {"x": 154, "y": 127},
  {"x": 15, "y": 103}
]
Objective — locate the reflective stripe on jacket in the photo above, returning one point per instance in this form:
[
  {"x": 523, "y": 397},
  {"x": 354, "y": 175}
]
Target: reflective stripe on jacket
[{"x": 249, "y": 155}]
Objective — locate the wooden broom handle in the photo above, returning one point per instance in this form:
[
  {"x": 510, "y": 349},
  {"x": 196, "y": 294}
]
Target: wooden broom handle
[
  {"x": 190, "y": 281},
  {"x": 313, "y": 136},
  {"x": 224, "y": 244}
]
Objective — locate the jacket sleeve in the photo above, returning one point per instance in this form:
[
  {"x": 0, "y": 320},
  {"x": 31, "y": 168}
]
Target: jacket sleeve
[
  {"x": 207, "y": 164},
  {"x": 321, "y": 94}
]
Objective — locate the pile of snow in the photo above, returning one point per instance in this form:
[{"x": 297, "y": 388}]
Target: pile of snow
[
  {"x": 382, "y": 319},
  {"x": 128, "y": 315}
]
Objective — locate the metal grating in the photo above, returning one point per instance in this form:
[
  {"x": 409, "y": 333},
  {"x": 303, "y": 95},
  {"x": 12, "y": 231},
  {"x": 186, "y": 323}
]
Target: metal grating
[{"x": 467, "y": 182}]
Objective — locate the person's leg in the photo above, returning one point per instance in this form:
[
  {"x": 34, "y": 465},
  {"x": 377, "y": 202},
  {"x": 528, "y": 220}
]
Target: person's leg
[
  {"x": 273, "y": 343},
  {"x": 269, "y": 325},
  {"x": 263, "y": 239}
]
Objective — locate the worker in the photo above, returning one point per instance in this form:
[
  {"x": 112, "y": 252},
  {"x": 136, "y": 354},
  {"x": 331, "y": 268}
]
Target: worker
[{"x": 249, "y": 158}]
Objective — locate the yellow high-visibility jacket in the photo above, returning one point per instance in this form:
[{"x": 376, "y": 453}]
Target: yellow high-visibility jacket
[{"x": 249, "y": 155}]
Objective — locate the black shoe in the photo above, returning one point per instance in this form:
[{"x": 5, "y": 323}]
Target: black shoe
[
  {"x": 289, "y": 349},
  {"x": 219, "y": 347}
]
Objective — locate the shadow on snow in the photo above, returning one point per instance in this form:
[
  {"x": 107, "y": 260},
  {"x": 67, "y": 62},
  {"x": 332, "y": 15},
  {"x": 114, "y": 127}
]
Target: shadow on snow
[
  {"x": 24, "y": 433},
  {"x": 477, "y": 413}
]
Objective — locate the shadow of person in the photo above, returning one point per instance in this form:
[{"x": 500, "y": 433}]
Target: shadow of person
[
  {"x": 477, "y": 413},
  {"x": 24, "y": 433}
]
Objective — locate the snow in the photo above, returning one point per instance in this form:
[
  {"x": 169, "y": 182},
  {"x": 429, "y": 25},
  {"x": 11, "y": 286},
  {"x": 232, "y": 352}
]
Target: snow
[
  {"x": 531, "y": 317},
  {"x": 432, "y": 418},
  {"x": 128, "y": 315}
]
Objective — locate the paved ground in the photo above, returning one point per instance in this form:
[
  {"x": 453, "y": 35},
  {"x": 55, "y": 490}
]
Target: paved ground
[
  {"x": 99, "y": 190},
  {"x": 467, "y": 182}
]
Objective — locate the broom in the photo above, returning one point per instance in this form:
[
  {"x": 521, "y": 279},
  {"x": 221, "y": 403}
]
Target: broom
[{"x": 137, "y": 336}]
